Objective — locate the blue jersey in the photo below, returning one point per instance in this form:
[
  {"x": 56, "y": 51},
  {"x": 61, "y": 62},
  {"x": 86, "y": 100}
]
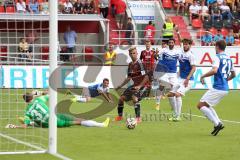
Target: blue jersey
[
  {"x": 225, "y": 66},
  {"x": 167, "y": 61},
  {"x": 93, "y": 90},
  {"x": 186, "y": 61}
]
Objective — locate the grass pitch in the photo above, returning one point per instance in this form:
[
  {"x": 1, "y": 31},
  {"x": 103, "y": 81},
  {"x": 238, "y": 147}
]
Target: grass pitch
[{"x": 155, "y": 138}]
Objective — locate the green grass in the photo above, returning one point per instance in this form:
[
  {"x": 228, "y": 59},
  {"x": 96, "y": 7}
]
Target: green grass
[{"x": 152, "y": 139}]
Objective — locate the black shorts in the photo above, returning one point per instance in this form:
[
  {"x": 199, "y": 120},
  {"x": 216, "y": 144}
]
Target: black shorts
[{"x": 130, "y": 91}]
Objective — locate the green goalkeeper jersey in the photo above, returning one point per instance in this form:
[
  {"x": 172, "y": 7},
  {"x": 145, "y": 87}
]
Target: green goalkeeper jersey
[{"x": 37, "y": 111}]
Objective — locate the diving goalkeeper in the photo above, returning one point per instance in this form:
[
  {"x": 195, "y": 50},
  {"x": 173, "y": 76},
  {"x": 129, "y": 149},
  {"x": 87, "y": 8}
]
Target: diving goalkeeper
[{"x": 37, "y": 114}]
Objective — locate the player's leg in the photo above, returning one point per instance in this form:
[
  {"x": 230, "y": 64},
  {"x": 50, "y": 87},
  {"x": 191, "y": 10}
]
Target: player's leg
[
  {"x": 137, "y": 107},
  {"x": 179, "y": 94},
  {"x": 159, "y": 94},
  {"x": 85, "y": 97},
  {"x": 211, "y": 98},
  {"x": 126, "y": 96},
  {"x": 65, "y": 120},
  {"x": 173, "y": 81}
]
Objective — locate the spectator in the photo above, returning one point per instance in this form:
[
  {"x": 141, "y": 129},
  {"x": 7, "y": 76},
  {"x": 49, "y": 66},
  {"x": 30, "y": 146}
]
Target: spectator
[
  {"x": 194, "y": 10},
  {"x": 103, "y": 5},
  {"x": 68, "y": 7},
  {"x": 235, "y": 13},
  {"x": 207, "y": 39},
  {"x": 21, "y": 6},
  {"x": 89, "y": 7},
  {"x": 187, "y": 4},
  {"x": 180, "y": 3},
  {"x": 23, "y": 48},
  {"x": 220, "y": 2},
  {"x": 149, "y": 32},
  {"x": 44, "y": 7},
  {"x": 225, "y": 11},
  {"x": 110, "y": 56},
  {"x": 33, "y": 7},
  {"x": 168, "y": 29},
  {"x": 78, "y": 7},
  {"x": 70, "y": 38},
  {"x": 218, "y": 36},
  {"x": 207, "y": 23},
  {"x": 120, "y": 13},
  {"x": 230, "y": 38},
  {"x": 129, "y": 33},
  {"x": 204, "y": 12},
  {"x": 236, "y": 29},
  {"x": 113, "y": 7},
  {"x": 216, "y": 13},
  {"x": 231, "y": 3},
  {"x": 7, "y": 3},
  {"x": 211, "y": 2}
]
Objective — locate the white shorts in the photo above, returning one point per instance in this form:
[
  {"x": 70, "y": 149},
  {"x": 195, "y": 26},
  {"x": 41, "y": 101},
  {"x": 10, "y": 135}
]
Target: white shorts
[
  {"x": 213, "y": 96},
  {"x": 167, "y": 80},
  {"x": 182, "y": 89}
]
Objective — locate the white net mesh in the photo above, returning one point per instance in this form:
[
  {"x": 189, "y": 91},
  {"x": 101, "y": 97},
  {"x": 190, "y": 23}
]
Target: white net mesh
[{"x": 18, "y": 75}]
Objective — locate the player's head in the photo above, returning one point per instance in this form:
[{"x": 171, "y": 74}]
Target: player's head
[
  {"x": 186, "y": 44},
  {"x": 133, "y": 53},
  {"x": 148, "y": 44},
  {"x": 110, "y": 47},
  {"x": 171, "y": 43},
  {"x": 220, "y": 46},
  {"x": 105, "y": 82},
  {"x": 28, "y": 97},
  {"x": 164, "y": 44}
]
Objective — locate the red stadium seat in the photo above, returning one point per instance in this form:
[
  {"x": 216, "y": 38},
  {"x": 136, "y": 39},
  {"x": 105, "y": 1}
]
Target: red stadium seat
[
  {"x": 213, "y": 31},
  {"x": 10, "y": 9},
  {"x": 167, "y": 4},
  {"x": 45, "y": 50},
  {"x": 224, "y": 32},
  {"x": 89, "y": 53},
  {"x": 196, "y": 23},
  {"x": 2, "y": 9},
  {"x": 3, "y": 53}
]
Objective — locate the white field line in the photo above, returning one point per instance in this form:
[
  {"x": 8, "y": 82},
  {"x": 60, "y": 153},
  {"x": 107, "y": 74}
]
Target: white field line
[{"x": 22, "y": 142}]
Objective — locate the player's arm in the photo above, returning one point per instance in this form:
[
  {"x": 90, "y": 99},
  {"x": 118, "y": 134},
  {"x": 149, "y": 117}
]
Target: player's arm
[
  {"x": 193, "y": 65},
  {"x": 216, "y": 63},
  {"x": 144, "y": 81},
  {"x": 124, "y": 82},
  {"x": 209, "y": 74}
]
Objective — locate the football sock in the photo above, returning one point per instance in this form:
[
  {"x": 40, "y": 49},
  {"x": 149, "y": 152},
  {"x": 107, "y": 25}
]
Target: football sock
[
  {"x": 90, "y": 123},
  {"x": 208, "y": 113},
  {"x": 172, "y": 101},
  {"x": 158, "y": 96},
  {"x": 179, "y": 105},
  {"x": 81, "y": 99},
  {"x": 137, "y": 109},
  {"x": 120, "y": 110},
  {"x": 214, "y": 113}
]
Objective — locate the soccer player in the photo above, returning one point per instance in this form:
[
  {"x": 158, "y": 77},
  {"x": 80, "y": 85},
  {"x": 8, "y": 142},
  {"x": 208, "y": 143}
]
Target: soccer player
[
  {"x": 94, "y": 91},
  {"x": 187, "y": 67},
  {"x": 159, "y": 91},
  {"x": 138, "y": 75},
  {"x": 166, "y": 72},
  {"x": 148, "y": 59},
  {"x": 223, "y": 71},
  {"x": 37, "y": 114}
]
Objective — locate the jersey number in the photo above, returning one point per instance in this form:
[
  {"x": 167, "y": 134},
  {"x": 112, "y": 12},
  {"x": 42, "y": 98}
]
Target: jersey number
[{"x": 226, "y": 68}]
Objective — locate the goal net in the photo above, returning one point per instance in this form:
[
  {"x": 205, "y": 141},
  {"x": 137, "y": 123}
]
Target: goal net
[{"x": 24, "y": 44}]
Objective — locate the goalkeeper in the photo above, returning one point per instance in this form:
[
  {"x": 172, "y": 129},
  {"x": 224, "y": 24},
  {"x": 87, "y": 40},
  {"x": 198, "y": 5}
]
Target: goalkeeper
[{"x": 37, "y": 114}]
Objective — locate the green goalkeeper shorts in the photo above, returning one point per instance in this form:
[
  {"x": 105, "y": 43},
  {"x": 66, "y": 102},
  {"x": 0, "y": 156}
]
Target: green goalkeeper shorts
[{"x": 64, "y": 120}]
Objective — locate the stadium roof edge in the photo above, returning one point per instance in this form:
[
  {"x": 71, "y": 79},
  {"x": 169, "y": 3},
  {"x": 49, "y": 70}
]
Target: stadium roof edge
[{"x": 61, "y": 17}]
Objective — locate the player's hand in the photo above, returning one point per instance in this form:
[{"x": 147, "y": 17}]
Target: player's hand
[
  {"x": 186, "y": 82},
  {"x": 202, "y": 80}
]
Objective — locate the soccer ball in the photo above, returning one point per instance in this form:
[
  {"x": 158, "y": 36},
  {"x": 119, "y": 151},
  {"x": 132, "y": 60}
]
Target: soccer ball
[{"x": 131, "y": 123}]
